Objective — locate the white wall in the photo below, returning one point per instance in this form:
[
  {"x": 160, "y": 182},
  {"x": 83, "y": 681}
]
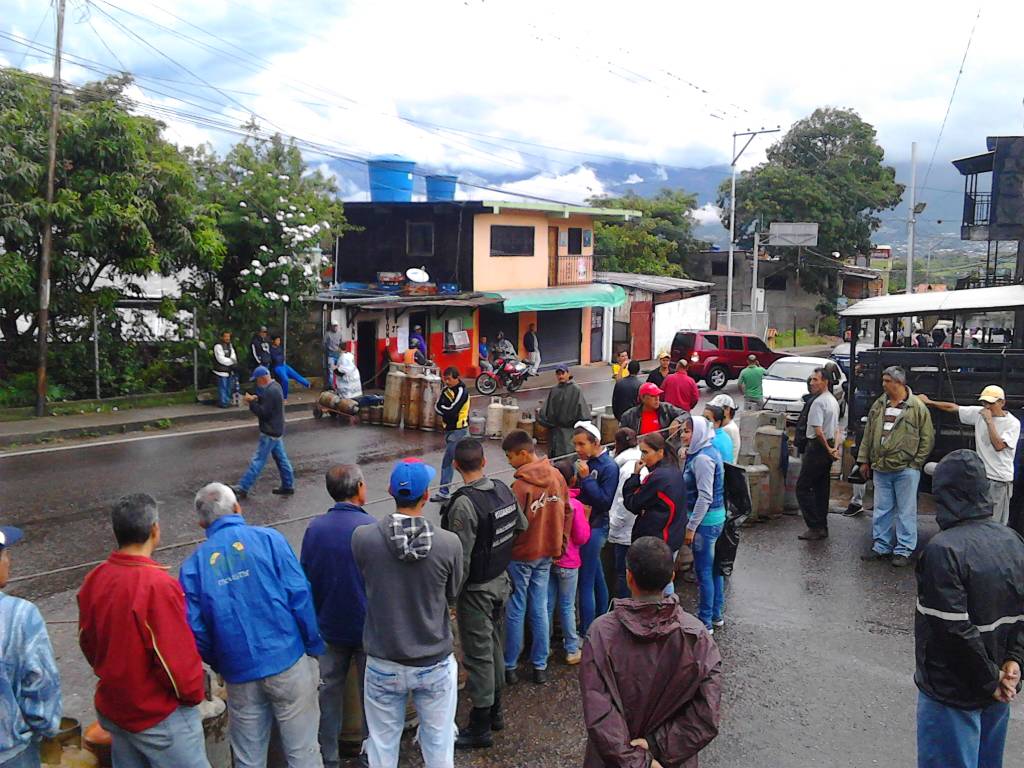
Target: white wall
[{"x": 693, "y": 313}]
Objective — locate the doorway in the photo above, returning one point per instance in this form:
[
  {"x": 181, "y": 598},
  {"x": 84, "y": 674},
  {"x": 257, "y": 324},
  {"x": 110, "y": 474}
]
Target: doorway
[
  {"x": 366, "y": 352},
  {"x": 552, "y": 256},
  {"x": 420, "y": 319},
  {"x": 596, "y": 334}
]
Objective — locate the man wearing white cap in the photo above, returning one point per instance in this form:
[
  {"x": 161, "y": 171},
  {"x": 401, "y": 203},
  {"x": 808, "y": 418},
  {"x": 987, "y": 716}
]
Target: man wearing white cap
[{"x": 996, "y": 432}]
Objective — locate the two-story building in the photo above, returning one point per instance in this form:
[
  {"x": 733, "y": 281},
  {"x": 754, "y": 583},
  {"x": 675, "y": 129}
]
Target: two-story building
[{"x": 493, "y": 266}]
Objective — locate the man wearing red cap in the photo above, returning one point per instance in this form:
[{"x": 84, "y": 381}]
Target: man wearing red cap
[{"x": 651, "y": 415}]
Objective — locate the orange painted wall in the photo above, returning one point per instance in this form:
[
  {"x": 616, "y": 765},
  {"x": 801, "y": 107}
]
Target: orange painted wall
[
  {"x": 525, "y": 318},
  {"x": 585, "y": 328}
]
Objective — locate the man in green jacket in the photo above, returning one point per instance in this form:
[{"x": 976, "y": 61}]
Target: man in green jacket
[{"x": 897, "y": 441}]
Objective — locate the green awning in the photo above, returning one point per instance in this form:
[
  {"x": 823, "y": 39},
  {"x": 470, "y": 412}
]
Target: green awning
[{"x": 568, "y": 297}]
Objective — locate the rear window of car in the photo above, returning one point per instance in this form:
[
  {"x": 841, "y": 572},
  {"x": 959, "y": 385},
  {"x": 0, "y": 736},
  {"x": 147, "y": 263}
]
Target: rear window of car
[
  {"x": 684, "y": 340},
  {"x": 733, "y": 342}
]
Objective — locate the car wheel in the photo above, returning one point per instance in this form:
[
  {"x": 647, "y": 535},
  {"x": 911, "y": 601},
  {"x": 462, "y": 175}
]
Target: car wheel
[{"x": 717, "y": 377}]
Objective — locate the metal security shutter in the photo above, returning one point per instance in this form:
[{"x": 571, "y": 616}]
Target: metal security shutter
[{"x": 560, "y": 337}]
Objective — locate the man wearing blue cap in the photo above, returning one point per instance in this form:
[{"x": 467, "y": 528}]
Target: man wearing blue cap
[
  {"x": 412, "y": 573},
  {"x": 268, "y": 405},
  {"x": 30, "y": 706}
]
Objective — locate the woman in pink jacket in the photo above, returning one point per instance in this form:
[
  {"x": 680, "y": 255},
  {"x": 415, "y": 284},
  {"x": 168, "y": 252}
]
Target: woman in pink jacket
[{"x": 565, "y": 570}]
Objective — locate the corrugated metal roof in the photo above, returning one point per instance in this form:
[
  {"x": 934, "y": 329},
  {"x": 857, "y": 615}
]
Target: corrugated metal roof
[
  {"x": 397, "y": 302},
  {"x": 939, "y": 302},
  {"x": 652, "y": 283}
]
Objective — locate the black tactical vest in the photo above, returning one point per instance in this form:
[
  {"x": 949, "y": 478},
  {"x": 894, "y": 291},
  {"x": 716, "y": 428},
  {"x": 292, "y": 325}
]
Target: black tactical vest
[{"x": 496, "y": 512}]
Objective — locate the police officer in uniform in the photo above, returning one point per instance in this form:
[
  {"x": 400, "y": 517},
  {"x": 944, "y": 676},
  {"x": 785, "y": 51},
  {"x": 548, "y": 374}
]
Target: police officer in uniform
[{"x": 484, "y": 514}]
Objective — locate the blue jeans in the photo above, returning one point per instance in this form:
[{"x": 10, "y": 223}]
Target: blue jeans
[
  {"x": 175, "y": 742},
  {"x": 529, "y": 598},
  {"x": 335, "y": 665},
  {"x": 284, "y": 372},
  {"x": 960, "y": 738},
  {"x": 27, "y": 758},
  {"x": 593, "y": 590},
  {"x": 435, "y": 693},
  {"x": 621, "y": 588},
  {"x": 268, "y": 446},
  {"x": 562, "y": 593},
  {"x": 894, "y": 522},
  {"x": 451, "y": 439},
  {"x": 226, "y": 387},
  {"x": 708, "y": 585}
]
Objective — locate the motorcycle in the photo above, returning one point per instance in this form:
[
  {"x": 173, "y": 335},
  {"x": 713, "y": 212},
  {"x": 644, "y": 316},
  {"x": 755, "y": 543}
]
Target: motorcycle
[{"x": 508, "y": 371}]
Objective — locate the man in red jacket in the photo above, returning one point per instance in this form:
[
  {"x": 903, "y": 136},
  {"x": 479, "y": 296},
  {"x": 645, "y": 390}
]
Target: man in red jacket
[
  {"x": 680, "y": 388},
  {"x": 640, "y": 712},
  {"x": 134, "y": 634}
]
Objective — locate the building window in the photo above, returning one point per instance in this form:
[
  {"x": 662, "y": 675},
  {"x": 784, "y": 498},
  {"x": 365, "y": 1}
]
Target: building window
[
  {"x": 575, "y": 241},
  {"x": 511, "y": 241},
  {"x": 719, "y": 268},
  {"x": 775, "y": 283},
  {"x": 419, "y": 238}
]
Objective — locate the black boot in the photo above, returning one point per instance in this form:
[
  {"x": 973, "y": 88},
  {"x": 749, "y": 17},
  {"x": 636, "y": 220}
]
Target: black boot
[
  {"x": 478, "y": 732},
  {"x": 497, "y": 717}
]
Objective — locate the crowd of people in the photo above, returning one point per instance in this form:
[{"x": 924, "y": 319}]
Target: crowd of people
[{"x": 265, "y": 351}]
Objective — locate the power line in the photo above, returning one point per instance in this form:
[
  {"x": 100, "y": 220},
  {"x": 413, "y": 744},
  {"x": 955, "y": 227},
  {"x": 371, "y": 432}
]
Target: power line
[{"x": 46, "y": 15}]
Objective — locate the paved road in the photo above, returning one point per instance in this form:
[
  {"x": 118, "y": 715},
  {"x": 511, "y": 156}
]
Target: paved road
[{"x": 818, "y": 649}]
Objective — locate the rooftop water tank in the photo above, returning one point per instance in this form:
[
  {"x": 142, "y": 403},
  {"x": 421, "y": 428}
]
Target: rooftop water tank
[
  {"x": 391, "y": 179},
  {"x": 441, "y": 188}
]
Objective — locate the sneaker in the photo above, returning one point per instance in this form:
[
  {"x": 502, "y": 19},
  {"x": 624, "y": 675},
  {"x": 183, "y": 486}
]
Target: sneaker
[
  {"x": 540, "y": 676},
  {"x": 853, "y": 510},
  {"x": 813, "y": 534},
  {"x": 900, "y": 561},
  {"x": 511, "y": 677},
  {"x": 440, "y": 498},
  {"x": 711, "y": 630},
  {"x": 572, "y": 659},
  {"x": 282, "y": 491},
  {"x": 717, "y": 623},
  {"x": 873, "y": 554},
  {"x": 240, "y": 493}
]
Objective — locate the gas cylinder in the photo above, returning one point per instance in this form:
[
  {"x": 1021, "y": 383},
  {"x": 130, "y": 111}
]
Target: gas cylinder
[
  {"x": 431, "y": 391},
  {"x": 527, "y": 423},
  {"x": 393, "y": 387},
  {"x": 477, "y": 425},
  {"x": 510, "y": 415},
  {"x": 414, "y": 414},
  {"x": 376, "y": 414},
  {"x": 540, "y": 432},
  {"x": 495, "y": 417},
  {"x": 406, "y": 384},
  {"x": 790, "y": 505},
  {"x": 329, "y": 400}
]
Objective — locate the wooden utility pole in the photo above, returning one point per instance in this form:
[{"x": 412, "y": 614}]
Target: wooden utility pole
[{"x": 43, "y": 313}]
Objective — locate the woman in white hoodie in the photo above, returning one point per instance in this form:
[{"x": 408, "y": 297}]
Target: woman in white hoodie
[{"x": 620, "y": 529}]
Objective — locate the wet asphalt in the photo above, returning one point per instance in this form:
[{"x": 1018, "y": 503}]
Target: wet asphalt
[{"x": 818, "y": 647}]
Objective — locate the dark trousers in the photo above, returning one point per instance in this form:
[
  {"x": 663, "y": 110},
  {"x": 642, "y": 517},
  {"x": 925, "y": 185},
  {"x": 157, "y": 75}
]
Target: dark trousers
[
  {"x": 812, "y": 487},
  {"x": 481, "y": 619}
]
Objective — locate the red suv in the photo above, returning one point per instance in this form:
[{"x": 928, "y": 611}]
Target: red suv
[{"x": 718, "y": 356}]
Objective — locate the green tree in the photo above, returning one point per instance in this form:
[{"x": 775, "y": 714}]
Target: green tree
[
  {"x": 654, "y": 244},
  {"x": 828, "y": 168},
  {"x": 126, "y": 207}
]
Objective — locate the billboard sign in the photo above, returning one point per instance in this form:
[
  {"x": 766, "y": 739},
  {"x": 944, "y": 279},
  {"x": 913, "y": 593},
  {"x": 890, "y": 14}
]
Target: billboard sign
[{"x": 793, "y": 234}]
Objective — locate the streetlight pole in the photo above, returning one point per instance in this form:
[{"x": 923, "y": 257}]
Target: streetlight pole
[
  {"x": 43, "y": 314},
  {"x": 732, "y": 211}
]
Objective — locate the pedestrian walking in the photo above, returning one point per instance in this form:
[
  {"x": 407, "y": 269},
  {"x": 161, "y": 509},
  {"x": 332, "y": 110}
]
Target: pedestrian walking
[
  {"x": 252, "y": 613},
  {"x": 751, "y": 384},
  {"x": 268, "y": 405},
  {"x": 30, "y": 702},
  {"x": 896, "y": 443},
  {"x": 658, "y": 375},
  {"x": 332, "y": 349},
  {"x": 996, "y": 432},
  {"x": 598, "y": 481},
  {"x": 282, "y": 371},
  {"x": 531, "y": 345},
  {"x": 565, "y": 570},
  {"x": 658, "y": 501},
  {"x": 565, "y": 405},
  {"x": 704, "y": 477},
  {"x": 626, "y": 393},
  {"x": 225, "y": 369},
  {"x": 680, "y": 388},
  {"x": 259, "y": 348},
  {"x": 453, "y": 408},
  {"x": 339, "y": 598},
  {"x": 969, "y": 629},
  {"x": 813, "y": 486},
  {"x": 620, "y": 519},
  {"x": 485, "y": 516},
  {"x": 412, "y": 572},
  {"x": 544, "y": 497},
  {"x": 721, "y": 441},
  {"x": 729, "y": 425},
  {"x": 651, "y": 415},
  {"x": 133, "y": 632},
  {"x": 638, "y": 710}
]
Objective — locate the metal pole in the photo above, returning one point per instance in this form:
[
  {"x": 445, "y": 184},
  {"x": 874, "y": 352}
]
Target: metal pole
[
  {"x": 195, "y": 351},
  {"x": 732, "y": 235},
  {"x": 96, "y": 350},
  {"x": 43, "y": 314},
  {"x": 753, "y": 286},
  {"x": 911, "y": 221},
  {"x": 284, "y": 337}
]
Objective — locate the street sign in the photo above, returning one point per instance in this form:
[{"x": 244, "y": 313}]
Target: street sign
[{"x": 793, "y": 234}]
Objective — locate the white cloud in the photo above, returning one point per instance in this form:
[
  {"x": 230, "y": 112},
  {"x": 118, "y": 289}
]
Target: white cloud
[
  {"x": 707, "y": 215},
  {"x": 634, "y": 178},
  {"x": 573, "y": 187}
]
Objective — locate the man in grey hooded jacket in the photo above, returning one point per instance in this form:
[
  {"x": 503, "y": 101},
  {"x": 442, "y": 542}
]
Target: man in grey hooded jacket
[{"x": 412, "y": 572}]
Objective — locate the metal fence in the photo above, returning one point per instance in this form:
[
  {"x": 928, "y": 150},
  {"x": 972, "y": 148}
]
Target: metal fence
[{"x": 745, "y": 322}]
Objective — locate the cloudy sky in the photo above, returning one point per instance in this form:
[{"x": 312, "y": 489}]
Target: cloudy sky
[{"x": 531, "y": 89}]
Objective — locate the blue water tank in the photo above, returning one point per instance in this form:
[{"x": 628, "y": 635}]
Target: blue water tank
[
  {"x": 391, "y": 179},
  {"x": 441, "y": 188}
]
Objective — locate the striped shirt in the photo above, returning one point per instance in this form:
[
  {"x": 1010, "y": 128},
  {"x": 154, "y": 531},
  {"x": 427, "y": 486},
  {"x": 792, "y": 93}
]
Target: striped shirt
[{"x": 892, "y": 414}]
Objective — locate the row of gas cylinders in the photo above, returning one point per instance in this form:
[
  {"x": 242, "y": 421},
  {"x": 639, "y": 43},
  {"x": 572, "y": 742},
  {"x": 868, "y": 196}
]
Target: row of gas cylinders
[{"x": 410, "y": 394}]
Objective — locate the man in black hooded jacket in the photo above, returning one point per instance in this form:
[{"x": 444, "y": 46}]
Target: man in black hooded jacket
[{"x": 969, "y": 628}]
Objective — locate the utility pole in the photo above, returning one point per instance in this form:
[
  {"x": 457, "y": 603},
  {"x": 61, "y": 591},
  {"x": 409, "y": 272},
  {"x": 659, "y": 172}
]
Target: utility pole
[
  {"x": 911, "y": 222},
  {"x": 43, "y": 313},
  {"x": 753, "y": 284},
  {"x": 732, "y": 209}
]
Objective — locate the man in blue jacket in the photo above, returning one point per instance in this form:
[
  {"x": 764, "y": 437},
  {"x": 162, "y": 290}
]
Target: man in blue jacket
[
  {"x": 251, "y": 610},
  {"x": 339, "y": 596}
]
